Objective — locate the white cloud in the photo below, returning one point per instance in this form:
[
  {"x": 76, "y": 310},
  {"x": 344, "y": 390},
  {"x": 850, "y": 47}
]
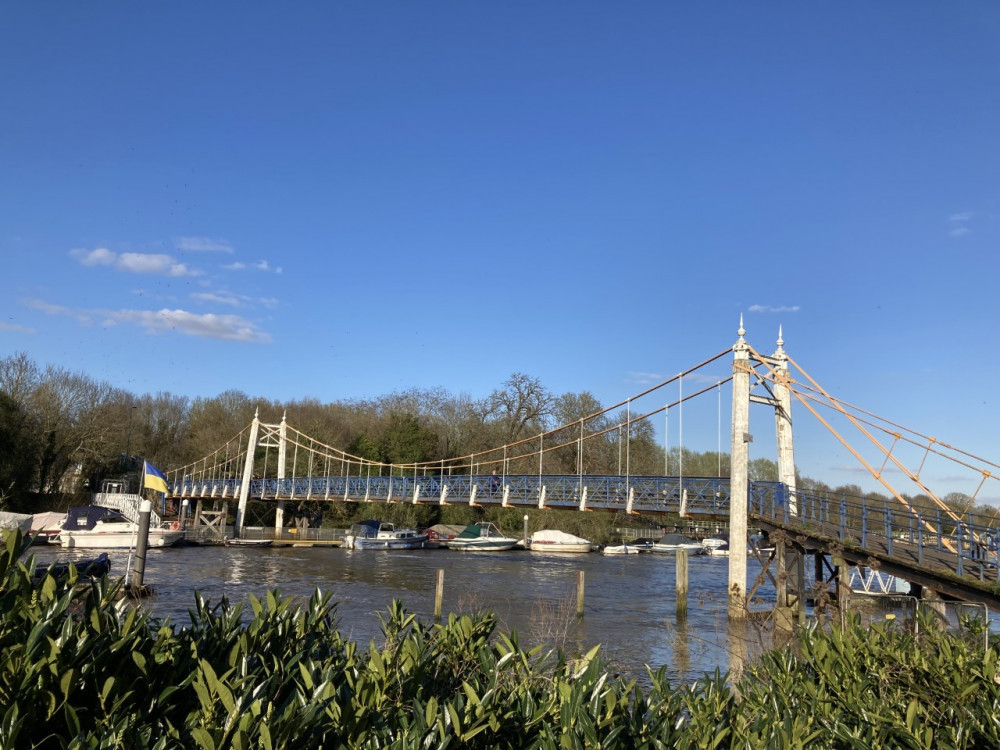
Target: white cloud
[
  {"x": 234, "y": 300},
  {"x": 162, "y": 265},
  {"x": 81, "y": 316},
  {"x": 774, "y": 309},
  {"x": 144, "y": 263},
  {"x": 209, "y": 325},
  {"x": 959, "y": 223},
  {"x": 16, "y": 328},
  {"x": 221, "y": 298},
  {"x": 263, "y": 265},
  {"x": 99, "y": 257},
  {"x": 204, "y": 245},
  {"x": 645, "y": 378},
  {"x": 260, "y": 265}
]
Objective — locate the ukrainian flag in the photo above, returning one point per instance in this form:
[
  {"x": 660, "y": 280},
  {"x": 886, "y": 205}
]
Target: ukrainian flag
[{"x": 152, "y": 478}]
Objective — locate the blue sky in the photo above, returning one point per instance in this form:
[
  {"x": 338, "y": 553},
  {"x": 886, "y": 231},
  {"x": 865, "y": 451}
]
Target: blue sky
[{"x": 341, "y": 200}]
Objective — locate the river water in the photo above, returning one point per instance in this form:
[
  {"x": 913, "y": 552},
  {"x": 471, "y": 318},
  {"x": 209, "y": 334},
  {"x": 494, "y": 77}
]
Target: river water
[{"x": 629, "y": 607}]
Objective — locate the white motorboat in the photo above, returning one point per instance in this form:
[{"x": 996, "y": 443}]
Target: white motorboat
[
  {"x": 622, "y": 549},
  {"x": 551, "y": 540},
  {"x": 382, "y": 535},
  {"x": 482, "y": 537},
  {"x": 670, "y": 543},
  {"x": 716, "y": 546},
  {"x": 97, "y": 527}
]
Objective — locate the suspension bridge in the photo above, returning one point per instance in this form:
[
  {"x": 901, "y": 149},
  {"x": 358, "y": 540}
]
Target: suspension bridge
[{"x": 946, "y": 551}]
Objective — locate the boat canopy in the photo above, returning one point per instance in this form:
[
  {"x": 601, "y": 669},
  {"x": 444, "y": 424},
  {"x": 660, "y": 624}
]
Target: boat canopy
[
  {"x": 472, "y": 531},
  {"x": 367, "y": 528},
  {"x": 87, "y": 516},
  {"x": 554, "y": 536},
  {"x": 47, "y": 520},
  {"x": 21, "y": 521}
]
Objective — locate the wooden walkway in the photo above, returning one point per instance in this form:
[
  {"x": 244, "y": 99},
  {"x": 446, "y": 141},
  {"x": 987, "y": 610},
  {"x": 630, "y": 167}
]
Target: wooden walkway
[{"x": 934, "y": 568}]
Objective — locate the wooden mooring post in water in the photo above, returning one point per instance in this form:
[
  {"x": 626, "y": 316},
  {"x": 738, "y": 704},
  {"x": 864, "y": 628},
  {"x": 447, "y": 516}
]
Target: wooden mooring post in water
[
  {"x": 439, "y": 594},
  {"x": 682, "y": 583}
]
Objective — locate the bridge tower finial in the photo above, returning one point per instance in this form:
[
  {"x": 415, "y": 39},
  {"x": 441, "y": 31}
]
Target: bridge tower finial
[
  {"x": 741, "y": 343},
  {"x": 284, "y": 415},
  {"x": 780, "y": 351}
]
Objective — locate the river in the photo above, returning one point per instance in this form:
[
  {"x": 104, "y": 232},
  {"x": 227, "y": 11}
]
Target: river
[{"x": 629, "y": 609}]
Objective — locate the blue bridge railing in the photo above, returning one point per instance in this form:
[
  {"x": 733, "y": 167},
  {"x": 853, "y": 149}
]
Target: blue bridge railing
[
  {"x": 709, "y": 495},
  {"x": 968, "y": 544}
]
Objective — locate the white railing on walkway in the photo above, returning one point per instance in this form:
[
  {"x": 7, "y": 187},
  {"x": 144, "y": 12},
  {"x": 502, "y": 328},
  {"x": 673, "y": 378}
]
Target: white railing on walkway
[{"x": 127, "y": 505}]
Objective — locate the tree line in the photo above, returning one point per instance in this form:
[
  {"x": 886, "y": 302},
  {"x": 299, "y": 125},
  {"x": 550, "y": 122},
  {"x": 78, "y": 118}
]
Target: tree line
[{"x": 63, "y": 432}]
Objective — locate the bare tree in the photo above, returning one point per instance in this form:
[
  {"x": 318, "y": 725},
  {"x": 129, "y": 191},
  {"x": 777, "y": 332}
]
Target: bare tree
[{"x": 523, "y": 402}]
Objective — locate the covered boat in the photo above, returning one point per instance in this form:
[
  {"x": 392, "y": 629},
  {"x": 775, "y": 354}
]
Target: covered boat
[
  {"x": 482, "y": 537},
  {"x": 19, "y": 521},
  {"x": 46, "y": 526},
  {"x": 552, "y": 540},
  {"x": 97, "y": 527},
  {"x": 623, "y": 549},
  {"x": 382, "y": 535},
  {"x": 674, "y": 542}
]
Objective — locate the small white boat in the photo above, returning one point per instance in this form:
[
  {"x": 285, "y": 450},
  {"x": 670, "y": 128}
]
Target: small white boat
[
  {"x": 481, "y": 537},
  {"x": 551, "y": 540},
  {"x": 382, "y": 535},
  {"x": 96, "y": 527},
  {"x": 670, "y": 543},
  {"x": 716, "y": 546},
  {"x": 622, "y": 549}
]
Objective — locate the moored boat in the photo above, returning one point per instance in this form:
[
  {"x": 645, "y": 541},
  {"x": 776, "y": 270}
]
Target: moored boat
[
  {"x": 248, "y": 542},
  {"x": 95, "y": 568},
  {"x": 382, "y": 535},
  {"x": 482, "y": 537},
  {"x": 97, "y": 527},
  {"x": 46, "y": 527},
  {"x": 670, "y": 543},
  {"x": 552, "y": 540},
  {"x": 716, "y": 545},
  {"x": 622, "y": 549}
]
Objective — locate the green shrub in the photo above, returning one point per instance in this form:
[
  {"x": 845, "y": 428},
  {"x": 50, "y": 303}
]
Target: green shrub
[{"x": 83, "y": 668}]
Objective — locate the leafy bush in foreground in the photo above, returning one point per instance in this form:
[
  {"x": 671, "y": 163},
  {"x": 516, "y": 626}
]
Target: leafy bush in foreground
[{"x": 86, "y": 670}]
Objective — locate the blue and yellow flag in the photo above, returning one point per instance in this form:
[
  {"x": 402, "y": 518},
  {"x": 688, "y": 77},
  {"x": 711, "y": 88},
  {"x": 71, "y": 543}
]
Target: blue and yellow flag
[{"x": 152, "y": 478}]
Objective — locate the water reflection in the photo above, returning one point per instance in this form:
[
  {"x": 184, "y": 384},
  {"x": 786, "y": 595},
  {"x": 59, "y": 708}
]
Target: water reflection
[{"x": 629, "y": 599}]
